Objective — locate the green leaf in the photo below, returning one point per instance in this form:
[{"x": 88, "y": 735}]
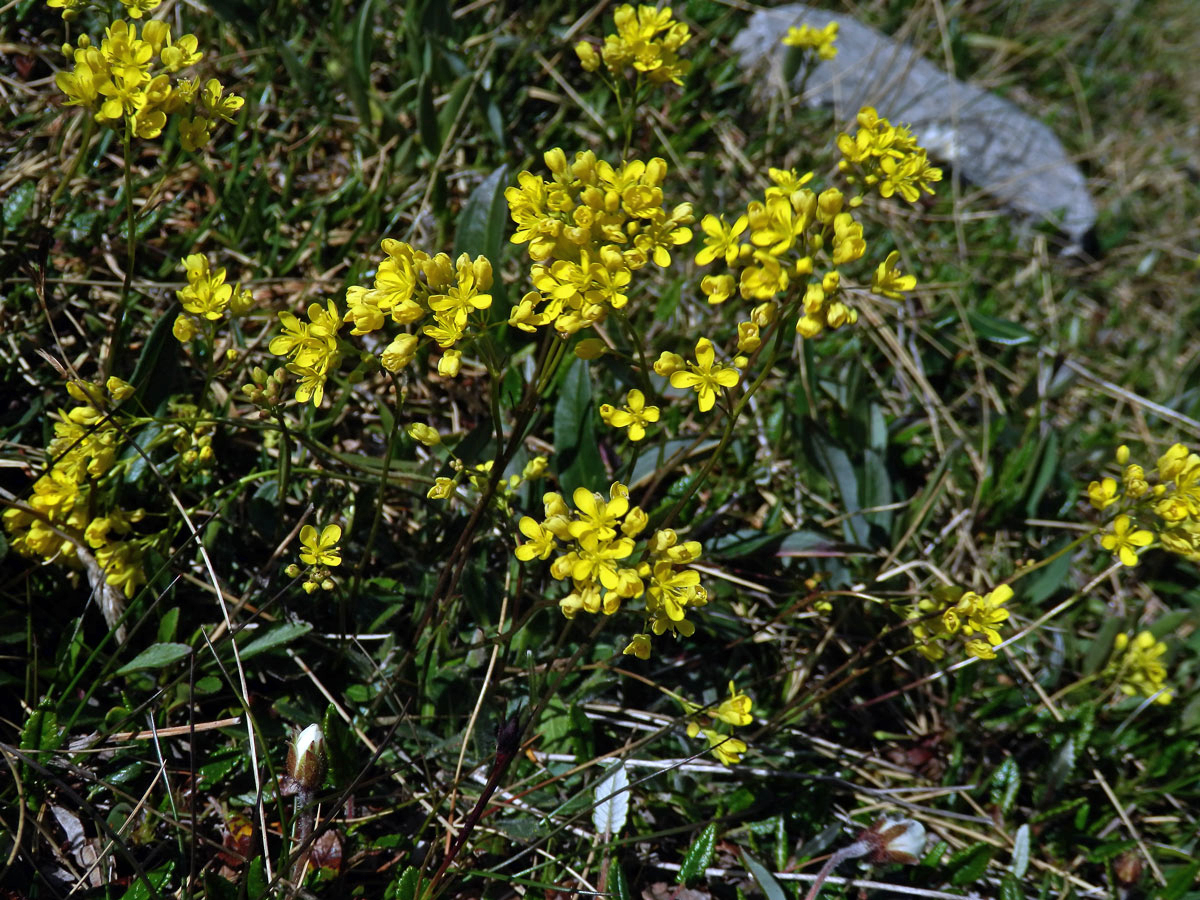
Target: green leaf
[
  {"x": 578, "y": 458},
  {"x": 427, "y": 122},
  {"x": 1010, "y": 888},
  {"x": 168, "y": 625},
  {"x": 483, "y": 218},
  {"x": 698, "y": 855},
  {"x": 1005, "y": 781},
  {"x": 405, "y": 886},
  {"x": 969, "y": 864},
  {"x": 17, "y": 204},
  {"x": 339, "y": 748},
  {"x": 41, "y": 731},
  {"x": 1179, "y": 882},
  {"x": 258, "y": 887},
  {"x": 139, "y": 890},
  {"x": 618, "y": 883},
  {"x": 766, "y": 879},
  {"x": 156, "y": 656},
  {"x": 998, "y": 330},
  {"x": 1020, "y": 853},
  {"x": 276, "y": 637}
]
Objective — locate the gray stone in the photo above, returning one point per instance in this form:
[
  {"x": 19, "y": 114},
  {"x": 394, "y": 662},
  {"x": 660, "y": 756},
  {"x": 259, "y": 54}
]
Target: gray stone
[{"x": 992, "y": 143}]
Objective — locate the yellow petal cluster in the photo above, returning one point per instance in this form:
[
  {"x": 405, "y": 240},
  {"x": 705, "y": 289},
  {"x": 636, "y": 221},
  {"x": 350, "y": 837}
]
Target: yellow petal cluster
[
  {"x": 597, "y": 548},
  {"x": 886, "y": 157},
  {"x": 588, "y": 229},
  {"x": 647, "y": 41},
  {"x": 128, "y": 80}
]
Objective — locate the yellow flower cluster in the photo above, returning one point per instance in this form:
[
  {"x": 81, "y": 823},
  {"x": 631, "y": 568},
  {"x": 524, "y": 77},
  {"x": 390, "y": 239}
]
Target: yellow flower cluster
[
  {"x": 607, "y": 565},
  {"x": 121, "y": 85},
  {"x": 410, "y": 287},
  {"x": 790, "y": 231},
  {"x": 886, "y": 157},
  {"x": 820, "y": 40},
  {"x": 1137, "y": 667},
  {"x": 135, "y": 8},
  {"x": 312, "y": 347},
  {"x": 953, "y": 615},
  {"x": 206, "y": 298},
  {"x": 647, "y": 39},
  {"x": 71, "y": 506},
  {"x": 588, "y": 230},
  {"x": 1167, "y": 510},
  {"x": 478, "y": 475},
  {"x": 734, "y": 712}
]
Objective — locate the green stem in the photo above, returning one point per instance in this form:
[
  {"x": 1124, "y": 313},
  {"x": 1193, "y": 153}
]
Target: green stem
[
  {"x": 85, "y": 142},
  {"x": 116, "y": 348}
]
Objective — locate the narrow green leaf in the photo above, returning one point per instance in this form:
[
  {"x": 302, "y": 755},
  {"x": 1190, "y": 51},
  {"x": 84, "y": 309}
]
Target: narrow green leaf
[
  {"x": 483, "y": 218},
  {"x": 578, "y": 458},
  {"x": 156, "y": 656},
  {"x": 1010, "y": 888},
  {"x": 765, "y": 877},
  {"x": 258, "y": 887},
  {"x": 618, "y": 883},
  {"x": 698, "y": 855},
  {"x": 1179, "y": 882},
  {"x": 427, "y": 122},
  {"x": 998, "y": 331},
  {"x": 276, "y": 637},
  {"x": 1020, "y": 852}
]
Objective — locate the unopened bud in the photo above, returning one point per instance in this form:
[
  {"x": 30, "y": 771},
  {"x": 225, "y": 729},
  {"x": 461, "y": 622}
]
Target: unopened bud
[
  {"x": 895, "y": 840},
  {"x": 306, "y": 758}
]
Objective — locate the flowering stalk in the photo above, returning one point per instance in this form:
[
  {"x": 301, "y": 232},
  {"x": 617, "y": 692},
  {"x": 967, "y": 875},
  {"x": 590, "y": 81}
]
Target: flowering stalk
[
  {"x": 305, "y": 773},
  {"x": 890, "y": 840}
]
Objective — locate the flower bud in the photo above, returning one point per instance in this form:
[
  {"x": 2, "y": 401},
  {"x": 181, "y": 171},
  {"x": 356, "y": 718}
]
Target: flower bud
[
  {"x": 895, "y": 840},
  {"x": 306, "y": 758}
]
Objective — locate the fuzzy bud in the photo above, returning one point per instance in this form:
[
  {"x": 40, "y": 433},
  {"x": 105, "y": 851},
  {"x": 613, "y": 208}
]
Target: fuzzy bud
[{"x": 306, "y": 758}]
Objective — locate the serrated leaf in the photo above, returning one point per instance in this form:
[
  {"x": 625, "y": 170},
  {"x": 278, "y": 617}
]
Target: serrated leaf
[
  {"x": 698, "y": 855},
  {"x": 276, "y": 637},
  {"x": 1005, "y": 781},
  {"x": 156, "y": 656},
  {"x": 611, "y": 797},
  {"x": 41, "y": 731},
  {"x": 17, "y": 204},
  {"x": 1020, "y": 852},
  {"x": 765, "y": 877},
  {"x": 404, "y": 887}
]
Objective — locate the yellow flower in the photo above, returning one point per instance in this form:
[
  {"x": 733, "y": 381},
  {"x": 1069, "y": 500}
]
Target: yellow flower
[
  {"x": 320, "y": 550},
  {"x": 1138, "y": 668},
  {"x": 704, "y": 376},
  {"x": 888, "y": 281},
  {"x": 735, "y": 710},
  {"x": 721, "y": 240},
  {"x": 1124, "y": 539},
  {"x": 428, "y": 436},
  {"x": 635, "y": 415},
  {"x": 443, "y": 489},
  {"x": 541, "y": 541},
  {"x": 1102, "y": 494},
  {"x": 819, "y": 39},
  {"x": 639, "y": 646}
]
